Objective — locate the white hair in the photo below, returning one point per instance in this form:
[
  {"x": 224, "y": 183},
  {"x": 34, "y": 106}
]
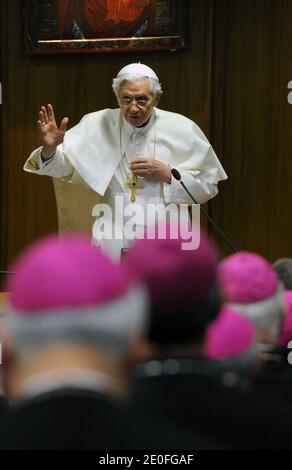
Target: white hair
[
  {"x": 109, "y": 328},
  {"x": 266, "y": 315},
  {"x": 132, "y": 77}
]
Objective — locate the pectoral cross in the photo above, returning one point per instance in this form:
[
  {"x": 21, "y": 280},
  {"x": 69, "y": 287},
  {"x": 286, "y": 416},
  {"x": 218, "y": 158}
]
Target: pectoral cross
[{"x": 133, "y": 184}]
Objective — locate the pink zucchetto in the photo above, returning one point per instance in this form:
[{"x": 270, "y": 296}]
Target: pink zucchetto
[
  {"x": 172, "y": 273},
  {"x": 229, "y": 335},
  {"x": 247, "y": 277},
  {"x": 286, "y": 333},
  {"x": 59, "y": 273},
  {"x": 182, "y": 285}
]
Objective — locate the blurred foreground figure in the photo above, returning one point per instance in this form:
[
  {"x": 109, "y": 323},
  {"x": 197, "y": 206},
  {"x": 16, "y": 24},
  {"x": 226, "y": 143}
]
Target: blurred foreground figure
[
  {"x": 286, "y": 332},
  {"x": 283, "y": 267},
  {"x": 231, "y": 341},
  {"x": 72, "y": 321},
  {"x": 174, "y": 379},
  {"x": 252, "y": 287},
  {"x": 4, "y": 404}
]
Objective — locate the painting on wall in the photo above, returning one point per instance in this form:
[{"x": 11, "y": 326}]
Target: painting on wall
[{"x": 92, "y": 26}]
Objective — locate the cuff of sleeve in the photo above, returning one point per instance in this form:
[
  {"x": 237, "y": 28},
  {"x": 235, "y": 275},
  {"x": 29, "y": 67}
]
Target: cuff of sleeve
[
  {"x": 43, "y": 163},
  {"x": 174, "y": 193}
]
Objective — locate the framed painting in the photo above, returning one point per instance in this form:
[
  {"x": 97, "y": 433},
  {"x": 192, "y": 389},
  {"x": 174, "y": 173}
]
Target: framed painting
[{"x": 94, "y": 26}]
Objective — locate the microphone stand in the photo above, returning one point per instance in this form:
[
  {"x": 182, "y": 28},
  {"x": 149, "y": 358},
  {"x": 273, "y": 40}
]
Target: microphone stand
[
  {"x": 4, "y": 273},
  {"x": 175, "y": 173}
]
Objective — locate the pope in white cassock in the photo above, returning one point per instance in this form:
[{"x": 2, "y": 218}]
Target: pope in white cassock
[{"x": 126, "y": 155}]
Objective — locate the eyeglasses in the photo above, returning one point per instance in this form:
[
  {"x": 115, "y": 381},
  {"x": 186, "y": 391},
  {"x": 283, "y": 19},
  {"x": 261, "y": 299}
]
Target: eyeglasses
[{"x": 140, "y": 102}]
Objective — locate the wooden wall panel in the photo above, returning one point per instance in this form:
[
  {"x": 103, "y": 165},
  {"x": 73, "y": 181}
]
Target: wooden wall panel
[
  {"x": 77, "y": 85},
  {"x": 251, "y": 122}
]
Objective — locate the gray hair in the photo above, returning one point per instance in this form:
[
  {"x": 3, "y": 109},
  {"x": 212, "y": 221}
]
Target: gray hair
[
  {"x": 132, "y": 77},
  {"x": 266, "y": 315},
  {"x": 283, "y": 266},
  {"x": 109, "y": 328}
]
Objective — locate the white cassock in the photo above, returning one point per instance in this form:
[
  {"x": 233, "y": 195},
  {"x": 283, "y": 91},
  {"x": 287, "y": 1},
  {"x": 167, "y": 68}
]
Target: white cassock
[{"x": 98, "y": 151}]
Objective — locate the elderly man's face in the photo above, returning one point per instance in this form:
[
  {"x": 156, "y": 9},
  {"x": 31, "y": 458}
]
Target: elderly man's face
[{"x": 136, "y": 101}]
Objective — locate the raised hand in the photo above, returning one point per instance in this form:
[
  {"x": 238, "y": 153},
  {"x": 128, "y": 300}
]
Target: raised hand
[{"x": 50, "y": 134}]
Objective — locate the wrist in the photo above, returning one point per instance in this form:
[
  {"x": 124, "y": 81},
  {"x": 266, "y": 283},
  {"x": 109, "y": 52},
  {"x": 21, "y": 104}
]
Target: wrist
[
  {"x": 48, "y": 153},
  {"x": 168, "y": 180}
]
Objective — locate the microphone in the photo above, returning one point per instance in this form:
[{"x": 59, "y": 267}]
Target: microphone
[
  {"x": 176, "y": 174},
  {"x": 4, "y": 273}
]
